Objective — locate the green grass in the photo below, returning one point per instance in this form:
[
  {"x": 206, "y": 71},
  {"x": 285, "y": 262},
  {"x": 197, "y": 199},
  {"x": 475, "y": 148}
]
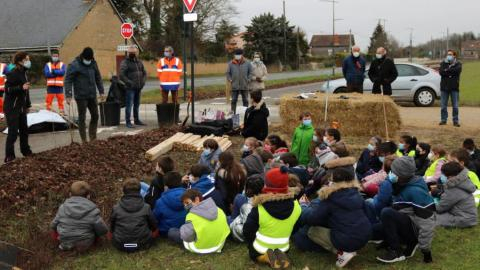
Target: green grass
[
  {"x": 205, "y": 92},
  {"x": 470, "y": 84}
]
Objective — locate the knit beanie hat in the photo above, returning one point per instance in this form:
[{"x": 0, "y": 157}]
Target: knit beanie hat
[
  {"x": 343, "y": 174},
  {"x": 276, "y": 181},
  {"x": 87, "y": 53},
  {"x": 404, "y": 167}
]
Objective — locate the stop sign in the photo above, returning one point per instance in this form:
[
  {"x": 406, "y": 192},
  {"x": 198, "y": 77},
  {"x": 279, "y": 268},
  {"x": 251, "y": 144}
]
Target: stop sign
[{"x": 126, "y": 30}]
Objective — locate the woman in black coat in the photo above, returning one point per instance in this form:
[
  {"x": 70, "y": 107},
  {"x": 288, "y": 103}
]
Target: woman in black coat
[
  {"x": 16, "y": 106},
  {"x": 255, "y": 121}
]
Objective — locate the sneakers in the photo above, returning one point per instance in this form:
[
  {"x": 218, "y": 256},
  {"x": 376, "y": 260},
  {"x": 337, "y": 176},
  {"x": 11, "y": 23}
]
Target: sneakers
[
  {"x": 391, "y": 256},
  {"x": 282, "y": 258},
  {"x": 129, "y": 125},
  {"x": 442, "y": 123},
  {"x": 344, "y": 257},
  {"x": 456, "y": 124},
  {"x": 139, "y": 123},
  {"x": 410, "y": 250}
]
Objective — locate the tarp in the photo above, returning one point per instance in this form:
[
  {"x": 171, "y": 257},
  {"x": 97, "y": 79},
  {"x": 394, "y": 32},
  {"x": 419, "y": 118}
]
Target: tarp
[{"x": 44, "y": 121}]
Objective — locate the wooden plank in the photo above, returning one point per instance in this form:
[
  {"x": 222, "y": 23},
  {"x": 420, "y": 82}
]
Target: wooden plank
[{"x": 163, "y": 147}]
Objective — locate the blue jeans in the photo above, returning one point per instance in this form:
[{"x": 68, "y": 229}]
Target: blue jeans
[
  {"x": 132, "y": 99},
  {"x": 454, "y": 95}
]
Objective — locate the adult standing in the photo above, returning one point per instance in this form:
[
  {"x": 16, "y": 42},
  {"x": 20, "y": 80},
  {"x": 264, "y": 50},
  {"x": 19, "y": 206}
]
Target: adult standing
[
  {"x": 133, "y": 74},
  {"x": 239, "y": 71},
  {"x": 17, "y": 104},
  {"x": 354, "y": 71},
  {"x": 259, "y": 73},
  {"x": 83, "y": 77},
  {"x": 54, "y": 72},
  {"x": 382, "y": 73},
  {"x": 450, "y": 70},
  {"x": 256, "y": 118},
  {"x": 169, "y": 70}
]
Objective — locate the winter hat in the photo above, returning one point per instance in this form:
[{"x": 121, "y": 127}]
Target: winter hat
[
  {"x": 87, "y": 53},
  {"x": 404, "y": 167},
  {"x": 238, "y": 52},
  {"x": 343, "y": 174},
  {"x": 276, "y": 180}
]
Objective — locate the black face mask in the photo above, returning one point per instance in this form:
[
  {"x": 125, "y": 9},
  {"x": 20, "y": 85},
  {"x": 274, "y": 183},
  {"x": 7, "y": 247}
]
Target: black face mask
[{"x": 131, "y": 55}]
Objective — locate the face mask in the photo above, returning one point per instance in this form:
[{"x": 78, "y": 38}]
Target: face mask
[
  {"x": 382, "y": 159},
  {"x": 393, "y": 178},
  {"x": 191, "y": 179},
  {"x": 356, "y": 54},
  {"x": 167, "y": 54},
  {"x": 55, "y": 59},
  {"x": 256, "y": 59},
  {"x": 371, "y": 148},
  {"x": 450, "y": 58},
  {"x": 87, "y": 62},
  {"x": 471, "y": 152},
  {"x": 443, "y": 179},
  {"x": 238, "y": 56},
  {"x": 27, "y": 64},
  {"x": 188, "y": 206},
  {"x": 431, "y": 156},
  {"x": 379, "y": 56},
  {"x": 307, "y": 122},
  {"x": 401, "y": 146},
  {"x": 245, "y": 148},
  {"x": 315, "y": 138},
  {"x": 325, "y": 140},
  {"x": 206, "y": 152},
  {"x": 131, "y": 55}
]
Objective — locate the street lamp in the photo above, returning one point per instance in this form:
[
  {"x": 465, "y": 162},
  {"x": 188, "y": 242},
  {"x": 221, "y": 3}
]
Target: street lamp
[
  {"x": 333, "y": 33},
  {"x": 284, "y": 37},
  {"x": 411, "y": 44}
]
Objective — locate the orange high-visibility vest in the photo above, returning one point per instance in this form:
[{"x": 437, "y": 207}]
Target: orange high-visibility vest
[
  {"x": 56, "y": 81},
  {"x": 169, "y": 72},
  {"x": 3, "y": 78}
]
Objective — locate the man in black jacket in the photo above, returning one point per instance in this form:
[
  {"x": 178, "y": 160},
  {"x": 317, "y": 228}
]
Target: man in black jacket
[
  {"x": 382, "y": 73},
  {"x": 255, "y": 121},
  {"x": 450, "y": 70},
  {"x": 133, "y": 74},
  {"x": 83, "y": 75}
]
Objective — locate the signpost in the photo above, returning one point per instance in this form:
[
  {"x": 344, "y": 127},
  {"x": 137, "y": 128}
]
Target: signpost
[
  {"x": 127, "y": 33},
  {"x": 191, "y": 18}
]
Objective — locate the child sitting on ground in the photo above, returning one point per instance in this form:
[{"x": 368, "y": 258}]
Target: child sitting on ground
[
  {"x": 275, "y": 145},
  {"x": 457, "y": 205},
  {"x": 290, "y": 161},
  {"x": 421, "y": 160},
  {"x": 370, "y": 183},
  {"x": 78, "y": 222},
  {"x": 438, "y": 157},
  {"x": 251, "y": 160},
  {"x": 242, "y": 206},
  {"x": 368, "y": 163},
  {"x": 206, "y": 228},
  {"x": 461, "y": 156},
  {"x": 272, "y": 220},
  {"x": 165, "y": 164},
  {"x": 132, "y": 222},
  {"x": 169, "y": 210},
  {"x": 407, "y": 146},
  {"x": 211, "y": 153},
  {"x": 200, "y": 179}
]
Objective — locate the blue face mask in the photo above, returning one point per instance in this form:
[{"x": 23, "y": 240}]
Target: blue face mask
[
  {"x": 371, "y": 148},
  {"x": 443, "y": 179},
  {"x": 27, "y": 64},
  {"x": 188, "y": 206},
  {"x": 393, "y": 178},
  {"x": 450, "y": 58},
  {"x": 401, "y": 146},
  {"x": 315, "y": 138},
  {"x": 206, "y": 152},
  {"x": 167, "y": 54},
  {"x": 307, "y": 122},
  {"x": 382, "y": 159}
]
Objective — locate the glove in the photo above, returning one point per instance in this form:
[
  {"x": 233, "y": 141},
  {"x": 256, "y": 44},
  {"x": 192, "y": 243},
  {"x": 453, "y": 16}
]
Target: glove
[
  {"x": 155, "y": 234},
  {"x": 54, "y": 235},
  {"x": 427, "y": 256}
]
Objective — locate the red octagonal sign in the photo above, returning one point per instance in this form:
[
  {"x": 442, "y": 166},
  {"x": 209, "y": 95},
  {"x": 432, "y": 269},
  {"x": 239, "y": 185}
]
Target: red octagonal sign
[{"x": 126, "y": 30}]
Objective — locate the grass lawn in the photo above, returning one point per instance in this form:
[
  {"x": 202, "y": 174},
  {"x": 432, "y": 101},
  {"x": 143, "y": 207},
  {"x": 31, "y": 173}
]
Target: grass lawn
[{"x": 470, "y": 84}]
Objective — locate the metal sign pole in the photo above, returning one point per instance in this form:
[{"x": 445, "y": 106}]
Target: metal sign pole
[
  {"x": 184, "y": 54},
  {"x": 192, "y": 78}
]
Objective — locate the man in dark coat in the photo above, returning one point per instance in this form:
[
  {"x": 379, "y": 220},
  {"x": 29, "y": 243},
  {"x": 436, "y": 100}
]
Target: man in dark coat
[
  {"x": 256, "y": 123},
  {"x": 450, "y": 70},
  {"x": 382, "y": 73},
  {"x": 354, "y": 71},
  {"x": 84, "y": 77}
]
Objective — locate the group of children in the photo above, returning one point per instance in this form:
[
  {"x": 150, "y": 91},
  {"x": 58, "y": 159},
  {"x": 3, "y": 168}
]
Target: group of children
[{"x": 316, "y": 194}]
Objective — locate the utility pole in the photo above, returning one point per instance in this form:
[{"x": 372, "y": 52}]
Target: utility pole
[
  {"x": 284, "y": 37},
  {"x": 333, "y": 39},
  {"x": 350, "y": 41},
  {"x": 47, "y": 35},
  {"x": 384, "y": 24},
  {"x": 298, "y": 47},
  {"x": 411, "y": 45},
  {"x": 448, "y": 39}
]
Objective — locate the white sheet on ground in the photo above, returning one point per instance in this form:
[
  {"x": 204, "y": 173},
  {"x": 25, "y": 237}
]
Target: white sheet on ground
[{"x": 42, "y": 116}]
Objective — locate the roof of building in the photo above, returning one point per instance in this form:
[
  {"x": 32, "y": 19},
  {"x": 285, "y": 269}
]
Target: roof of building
[
  {"x": 471, "y": 45},
  {"x": 33, "y": 25},
  {"x": 326, "y": 40}
]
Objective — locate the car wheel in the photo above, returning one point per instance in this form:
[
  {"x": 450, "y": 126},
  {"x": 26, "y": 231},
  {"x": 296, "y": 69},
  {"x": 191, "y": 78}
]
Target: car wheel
[
  {"x": 424, "y": 97},
  {"x": 340, "y": 90}
]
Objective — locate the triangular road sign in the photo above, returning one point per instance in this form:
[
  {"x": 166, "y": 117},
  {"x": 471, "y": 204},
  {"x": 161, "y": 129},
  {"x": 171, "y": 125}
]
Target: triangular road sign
[{"x": 190, "y": 4}]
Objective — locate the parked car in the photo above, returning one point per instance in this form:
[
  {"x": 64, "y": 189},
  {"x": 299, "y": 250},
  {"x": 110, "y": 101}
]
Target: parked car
[{"x": 416, "y": 83}]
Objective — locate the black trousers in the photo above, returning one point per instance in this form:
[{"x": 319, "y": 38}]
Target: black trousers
[
  {"x": 387, "y": 89},
  {"x": 92, "y": 106},
  {"x": 235, "y": 93},
  {"x": 17, "y": 126},
  {"x": 397, "y": 229},
  {"x": 354, "y": 87}
]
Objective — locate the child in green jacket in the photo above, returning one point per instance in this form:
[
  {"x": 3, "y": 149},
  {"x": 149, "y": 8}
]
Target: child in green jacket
[{"x": 302, "y": 139}]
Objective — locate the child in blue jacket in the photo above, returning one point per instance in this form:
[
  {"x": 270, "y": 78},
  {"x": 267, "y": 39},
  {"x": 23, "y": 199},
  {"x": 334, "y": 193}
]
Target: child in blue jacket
[{"x": 201, "y": 179}]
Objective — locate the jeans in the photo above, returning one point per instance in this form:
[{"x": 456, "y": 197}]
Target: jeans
[
  {"x": 397, "y": 229},
  {"x": 132, "y": 99},
  {"x": 91, "y": 105},
  {"x": 17, "y": 125},
  {"x": 235, "y": 94},
  {"x": 454, "y": 95}
]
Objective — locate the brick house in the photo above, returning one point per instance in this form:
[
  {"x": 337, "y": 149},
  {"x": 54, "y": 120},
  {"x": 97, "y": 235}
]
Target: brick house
[
  {"x": 471, "y": 49},
  {"x": 66, "y": 25},
  {"x": 321, "y": 45}
]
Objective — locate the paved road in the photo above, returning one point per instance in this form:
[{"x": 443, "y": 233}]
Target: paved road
[{"x": 38, "y": 95}]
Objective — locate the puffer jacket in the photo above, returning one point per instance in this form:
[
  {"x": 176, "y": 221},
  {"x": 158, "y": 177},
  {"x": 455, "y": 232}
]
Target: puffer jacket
[
  {"x": 256, "y": 121},
  {"x": 83, "y": 80},
  {"x": 301, "y": 143},
  {"x": 132, "y": 221},
  {"x": 259, "y": 70},
  {"x": 78, "y": 220},
  {"x": 133, "y": 73},
  {"x": 211, "y": 159},
  {"x": 169, "y": 210},
  {"x": 239, "y": 72},
  {"x": 457, "y": 204},
  {"x": 237, "y": 224}
]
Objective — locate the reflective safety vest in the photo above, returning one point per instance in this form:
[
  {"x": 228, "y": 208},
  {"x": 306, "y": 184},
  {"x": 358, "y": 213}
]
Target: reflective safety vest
[
  {"x": 3, "y": 78},
  {"x": 433, "y": 167},
  {"x": 474, "y": 178},
  {"x": 169, "y": 72},
  {"x": 55, "y": 81},
  {"x": 275, "y": 233},
  {"x": 410, "y": 154},
  {"x": 211, "y": 234}
]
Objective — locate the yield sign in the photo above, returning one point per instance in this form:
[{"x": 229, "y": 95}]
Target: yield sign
[{"x": 190, "y": 4}]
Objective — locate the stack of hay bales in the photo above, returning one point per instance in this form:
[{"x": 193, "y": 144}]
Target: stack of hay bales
[{"x": 359, "y": 115}]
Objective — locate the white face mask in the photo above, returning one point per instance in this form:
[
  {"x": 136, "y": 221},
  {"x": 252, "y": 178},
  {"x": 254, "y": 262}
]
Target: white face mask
[
  {"x": 191, "y": 179},
  {"x": 356, "y": 54},
  {"x": 238, "y": 56},
  {"x": 379, "y": 56},
  {"x": 55, "y": 59},
  {"x": 245, "y": 148},
  {"x": 256, "y": 59},
  {"x": 431, "y": 156}
]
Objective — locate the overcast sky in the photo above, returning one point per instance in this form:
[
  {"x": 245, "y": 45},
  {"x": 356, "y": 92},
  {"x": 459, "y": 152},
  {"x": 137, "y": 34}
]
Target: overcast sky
[{"x": 427, "y": 17}]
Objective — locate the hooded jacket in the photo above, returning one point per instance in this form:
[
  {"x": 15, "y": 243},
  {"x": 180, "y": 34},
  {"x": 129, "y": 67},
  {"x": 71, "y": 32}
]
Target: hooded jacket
[
  {"x": 169, "y": 210},
  {"x": 259, "y": 70},
  {"x": 132, "y": 221},
  {"x": 301, "y": 142},
  {"x": 256, "y": 121},
  {"x": 457, "y": 204},
  {"x": 211, "y": 159},
  {"x": 154, "y": 191},
  {"x": 279, "y": 206},
  {"x": 253, "y": 164},
  {"x": 367, "y": 163},
  {"x": 83, "y": 80},
  {"x": 341, "y": 208},
  {"x": 206, "y": 185},
  {"x": 78, "y": 220}
]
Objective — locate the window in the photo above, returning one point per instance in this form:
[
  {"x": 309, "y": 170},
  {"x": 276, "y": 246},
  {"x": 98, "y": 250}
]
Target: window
[
  {"x": 421, "y": 71},
  {"x": 407, "y": 71}
]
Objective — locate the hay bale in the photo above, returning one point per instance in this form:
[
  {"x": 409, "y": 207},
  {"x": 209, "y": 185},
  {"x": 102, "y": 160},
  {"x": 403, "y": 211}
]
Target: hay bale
[{"x": 359, "y": 115}]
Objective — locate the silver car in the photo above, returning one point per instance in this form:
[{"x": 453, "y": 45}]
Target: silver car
[{"x": 415, "y": 83}]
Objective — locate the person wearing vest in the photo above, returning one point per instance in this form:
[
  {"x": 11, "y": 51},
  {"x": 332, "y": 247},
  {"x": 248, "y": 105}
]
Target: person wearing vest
[
  {"x": 438, "y": 158},
  {"x": 169, "y": 70},
  {"x": 407, "y": 146},
  {"x": 462, "y": 156},
  {"x": 272, "y": 220},
  {"x": 206, "y": 228},
  {"x": 3, "y": 73},
  {"x": 54, "y": 72}
]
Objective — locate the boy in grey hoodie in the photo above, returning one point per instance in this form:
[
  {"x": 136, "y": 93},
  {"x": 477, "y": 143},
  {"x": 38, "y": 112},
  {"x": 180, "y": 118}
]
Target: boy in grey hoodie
[{"x": 78, "y": 222}]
